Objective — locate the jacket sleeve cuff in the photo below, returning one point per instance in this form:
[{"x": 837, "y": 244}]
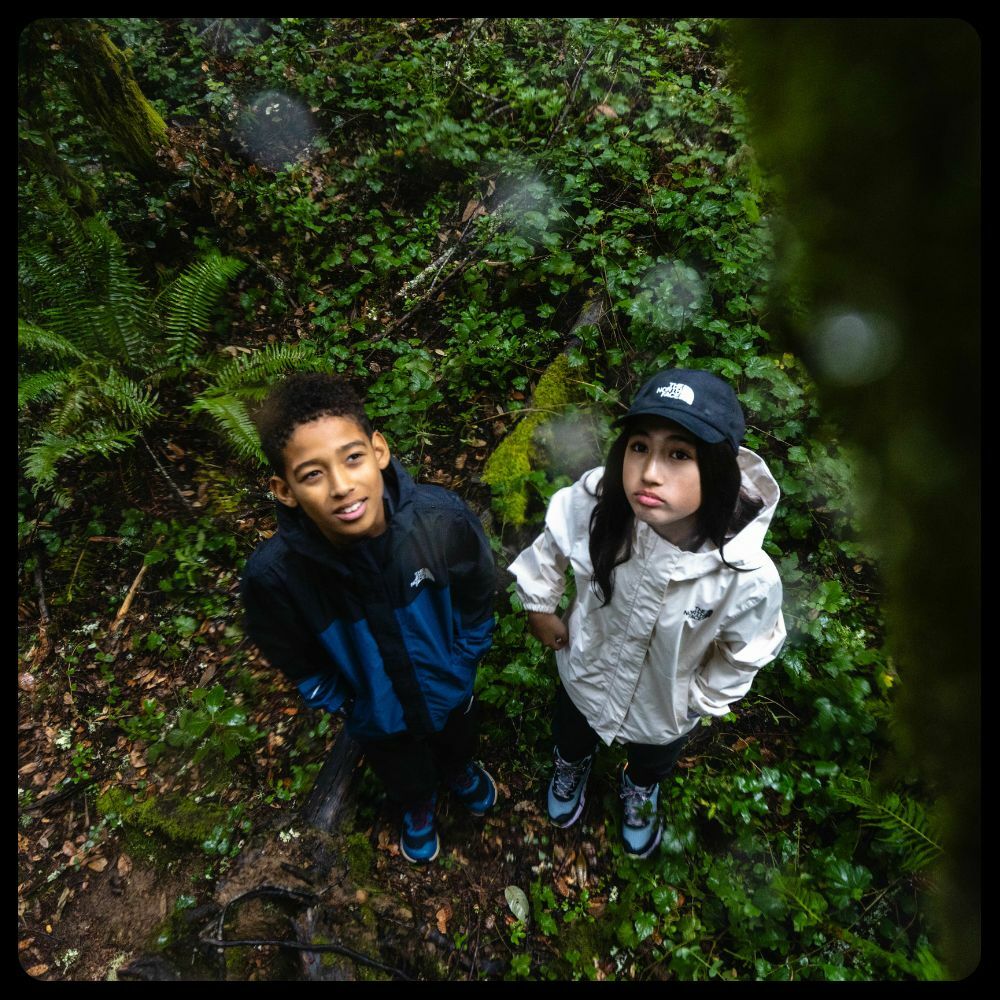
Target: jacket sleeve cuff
[{"x": 545, "y": 609}]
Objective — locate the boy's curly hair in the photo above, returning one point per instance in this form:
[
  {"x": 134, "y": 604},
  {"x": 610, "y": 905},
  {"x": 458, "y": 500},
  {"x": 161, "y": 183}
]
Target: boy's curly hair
[{"x": 299, "y": 399}]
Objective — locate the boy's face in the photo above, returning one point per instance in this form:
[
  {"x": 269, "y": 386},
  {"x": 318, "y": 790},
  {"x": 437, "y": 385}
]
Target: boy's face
[{"x": 333, "y": 471}]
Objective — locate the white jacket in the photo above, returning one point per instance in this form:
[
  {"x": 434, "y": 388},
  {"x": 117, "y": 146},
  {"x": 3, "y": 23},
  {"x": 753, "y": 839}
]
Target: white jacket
[{"x": 684, "y": 634}]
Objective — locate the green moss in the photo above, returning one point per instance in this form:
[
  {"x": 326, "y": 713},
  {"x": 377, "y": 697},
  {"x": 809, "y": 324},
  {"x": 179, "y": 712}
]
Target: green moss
[
  {"x": 579, "y": 944},
  {"x": 109, "y": 95},
  {"x": 172, "y": 817},
  {"x": 360, "y": 858},
  {"x": 508, "y": 468}
]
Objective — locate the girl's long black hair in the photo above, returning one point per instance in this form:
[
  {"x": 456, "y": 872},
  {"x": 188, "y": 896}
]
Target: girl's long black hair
[{"x": 724, "y": 509}]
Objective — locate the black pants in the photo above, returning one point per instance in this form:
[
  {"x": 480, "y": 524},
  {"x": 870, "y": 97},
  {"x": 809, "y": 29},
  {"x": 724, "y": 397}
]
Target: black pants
[
  {"x": 413, "y": 767},
  {"x": 647, "y": 763}
]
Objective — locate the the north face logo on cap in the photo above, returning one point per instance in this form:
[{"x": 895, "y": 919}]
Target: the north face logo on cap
[{"x": 677, "y": 390}]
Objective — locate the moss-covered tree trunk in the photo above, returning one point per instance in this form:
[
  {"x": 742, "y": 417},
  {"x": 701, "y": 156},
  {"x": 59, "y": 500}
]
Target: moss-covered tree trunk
[{"x": 111, "y": 99}]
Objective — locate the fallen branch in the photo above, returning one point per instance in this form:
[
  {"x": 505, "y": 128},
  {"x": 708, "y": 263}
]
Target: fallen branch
[
  {"x": 354, "y": 956},
  {"x": 130, "y": 596},
  {"x": 295, "y": 896}
]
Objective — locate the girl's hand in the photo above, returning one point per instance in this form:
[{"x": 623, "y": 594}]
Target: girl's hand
[{"x": 548, "y": 629}]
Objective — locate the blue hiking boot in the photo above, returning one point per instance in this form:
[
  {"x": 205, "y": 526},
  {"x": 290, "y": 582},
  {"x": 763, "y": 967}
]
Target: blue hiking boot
[
  {"x": 640, "y": 821},
  {"x": 475, "y": 789},
  {"x": 418, "y": 839},
  {"x": 567, "y": 789}
]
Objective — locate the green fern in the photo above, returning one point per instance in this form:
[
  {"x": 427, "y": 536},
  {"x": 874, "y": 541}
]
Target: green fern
[
  {"x": 902, "y": 823},
  {"x": 92, "y": 343},
  {"x": 50, "y": 448},
  {"x": 36, "y": 339},
  {"x": 189, "y": 302},
  {"x": 233, "y": 420},
  {"x": 82, "y": 289},
  {"x": 257, "y": 371},
  {"x": 41, "y": 386},
  {"x": 246, "y": 381}
]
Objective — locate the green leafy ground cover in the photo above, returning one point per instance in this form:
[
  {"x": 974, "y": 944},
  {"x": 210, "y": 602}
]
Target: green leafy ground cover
[{"x": 427, "y": 206}]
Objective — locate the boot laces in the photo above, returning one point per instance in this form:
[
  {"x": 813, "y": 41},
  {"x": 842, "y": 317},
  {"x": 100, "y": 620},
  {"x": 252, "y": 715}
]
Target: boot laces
[
  {"x": 637, "y": 800},
  {"x": 568, "y": 775}
]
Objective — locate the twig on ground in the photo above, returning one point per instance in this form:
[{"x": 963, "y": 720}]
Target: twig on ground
[
  {"x": 166, "y": 475},
  {"x": 570, "y": 96},
  {"x": 130, "y": 596},
  {"x": 44, "y": 644}
]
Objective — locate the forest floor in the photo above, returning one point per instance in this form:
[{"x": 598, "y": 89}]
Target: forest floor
[
  {"x": 107, "y": 890},
  {"x": 96, "y": 903}
]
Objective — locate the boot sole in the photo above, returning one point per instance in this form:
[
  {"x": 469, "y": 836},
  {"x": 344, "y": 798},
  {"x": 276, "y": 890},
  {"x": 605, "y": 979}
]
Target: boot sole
[
  {"x": 564, "y": 824},
  {"x": 421, "y": 861},
  {"x": 649, "y": 850}
]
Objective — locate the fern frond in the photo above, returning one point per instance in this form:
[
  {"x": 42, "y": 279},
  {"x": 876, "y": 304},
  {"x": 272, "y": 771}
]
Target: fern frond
[
  {"x": 189, "y": 301},
  {"x": 50, "y": 449},
  {"x": 42, "y": 341},
  {"x": 256, "y": 371},
  {"x": 71, "y": 405},
  {"x": 46, "y": 278},
  {"x": 62, "y": 226},
  {"x": 128, "y": 310},
  {"x": 901, "y": 822},
  {"x": 130, "y": 404},
  {"x": 41, "y": 385},
  {"x": 231, "y": 417},
  {"x": 79, "y": 284}
]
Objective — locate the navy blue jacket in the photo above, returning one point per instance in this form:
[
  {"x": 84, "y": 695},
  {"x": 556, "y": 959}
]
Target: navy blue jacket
[{"x": 389, "y": 628}]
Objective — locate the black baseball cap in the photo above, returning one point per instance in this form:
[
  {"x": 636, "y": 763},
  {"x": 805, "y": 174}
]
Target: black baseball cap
[{"x": 699, "y": 401}]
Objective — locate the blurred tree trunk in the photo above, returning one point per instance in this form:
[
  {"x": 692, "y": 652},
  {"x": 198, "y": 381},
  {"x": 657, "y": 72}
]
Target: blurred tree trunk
[
  {"x": 873, "y": 128},
  {"x": 111, "y": 99}
]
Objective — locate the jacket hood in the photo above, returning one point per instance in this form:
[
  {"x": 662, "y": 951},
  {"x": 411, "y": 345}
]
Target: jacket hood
[
  {"x": 303, "y": 537},
  {"x": 743, "y": 549}
]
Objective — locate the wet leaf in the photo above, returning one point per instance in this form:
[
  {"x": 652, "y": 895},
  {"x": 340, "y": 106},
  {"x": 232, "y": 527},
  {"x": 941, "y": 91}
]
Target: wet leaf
[
  {"x": 518, "y": 903},
  {"x": 37, "y": 970},
  {"x": 472, "y": 209}
]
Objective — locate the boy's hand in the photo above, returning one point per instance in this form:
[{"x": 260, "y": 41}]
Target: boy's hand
[{"x": 548, "y": 629}]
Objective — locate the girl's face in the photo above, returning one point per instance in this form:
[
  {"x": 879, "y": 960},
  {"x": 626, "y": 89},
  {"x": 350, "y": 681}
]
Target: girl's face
[{"x": 661, "y": 478}]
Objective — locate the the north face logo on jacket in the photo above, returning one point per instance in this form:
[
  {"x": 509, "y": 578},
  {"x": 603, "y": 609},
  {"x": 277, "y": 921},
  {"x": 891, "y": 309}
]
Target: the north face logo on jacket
[
  {"x": 699, "y": 614},
  {"x": 421, "y": 575}
]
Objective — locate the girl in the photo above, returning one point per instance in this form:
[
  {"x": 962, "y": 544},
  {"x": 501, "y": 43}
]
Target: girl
[{"x": 676, "y": 605}]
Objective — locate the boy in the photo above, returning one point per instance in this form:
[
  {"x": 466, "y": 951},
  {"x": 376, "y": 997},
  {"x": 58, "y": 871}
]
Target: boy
[{"x": 375, "y": 596}]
